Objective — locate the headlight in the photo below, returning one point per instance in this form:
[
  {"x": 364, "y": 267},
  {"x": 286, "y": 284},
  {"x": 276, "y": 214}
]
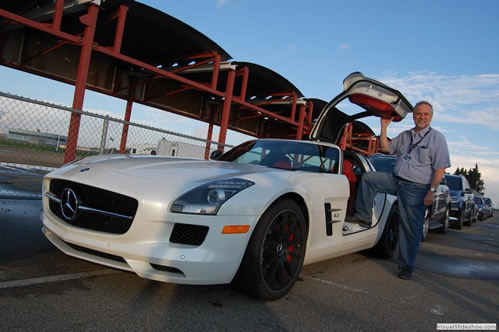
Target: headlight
[{"x": 207, "y": 198}]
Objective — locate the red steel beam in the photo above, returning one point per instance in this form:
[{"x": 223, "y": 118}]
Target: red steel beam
[
  {"x": 40, "y": 26},
  {"x": 293, "y": 107},
  {"x": 310, "y": 111},
  {"x": 244, "y": 84},
  {"x": 216, "y": 70},
  {"x": 120, "y": 28},
  {"x": 301, "y": 121},
  {"x": 128, "y": 114},
  {"x": 58, "y": 11},
  {"x": 224, "y": 122},
  {"x": 210, "y": 132},
  {"x": 90, "y": 20},
  {"x": 160, "y": 72}
]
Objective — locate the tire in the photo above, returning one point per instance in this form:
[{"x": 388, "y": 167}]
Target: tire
[
  {"x": 469, "y": 222},
  {"x": 387, "y": 244},
  {"x": 274, "y": 257},
  {"x": 426, "y": 224},
  {"x": 459, "y": 224},
  {"x": 445, "y": 226}
]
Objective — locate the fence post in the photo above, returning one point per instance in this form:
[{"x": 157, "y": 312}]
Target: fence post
[{"x": 103, "y": 136}]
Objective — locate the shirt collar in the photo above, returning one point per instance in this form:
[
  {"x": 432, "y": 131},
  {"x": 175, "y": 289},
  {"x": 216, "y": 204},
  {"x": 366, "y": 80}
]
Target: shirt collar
[{"x": 421, "y": 133}]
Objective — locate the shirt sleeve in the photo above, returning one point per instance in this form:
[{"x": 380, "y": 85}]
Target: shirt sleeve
[
  {"x": 441, "y": 158},
  {"x": 394, "y": 144}
]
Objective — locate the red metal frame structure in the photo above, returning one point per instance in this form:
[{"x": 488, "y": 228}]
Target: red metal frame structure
[
  {"x": 198, "y": 76},
  {"x": 364, "y": 143}
]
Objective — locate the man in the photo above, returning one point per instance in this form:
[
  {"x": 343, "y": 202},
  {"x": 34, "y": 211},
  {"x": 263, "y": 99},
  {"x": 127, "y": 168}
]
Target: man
[{"x": 422, "y": 157}]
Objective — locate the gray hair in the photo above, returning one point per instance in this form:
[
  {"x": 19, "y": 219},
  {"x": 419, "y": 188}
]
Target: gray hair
[{"x": 424, "y": 102}]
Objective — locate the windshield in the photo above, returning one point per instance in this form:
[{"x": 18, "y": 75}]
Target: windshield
[
  {"x": 303, "y": 156},
  {"x": 454, "y": 182},
  {"x": 383, "y": 163}
]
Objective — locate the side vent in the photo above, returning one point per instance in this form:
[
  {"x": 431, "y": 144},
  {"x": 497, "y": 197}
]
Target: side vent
[
  {"x": 329, "y": 220},
  {"x": 328, "y": 210}
]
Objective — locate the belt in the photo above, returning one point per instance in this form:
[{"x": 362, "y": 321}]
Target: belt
[{"x": 402, "y": 179}]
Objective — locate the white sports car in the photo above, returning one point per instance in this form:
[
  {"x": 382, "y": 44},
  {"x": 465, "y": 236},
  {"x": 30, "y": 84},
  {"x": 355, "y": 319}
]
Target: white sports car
[{"x": 253, "y": 216}]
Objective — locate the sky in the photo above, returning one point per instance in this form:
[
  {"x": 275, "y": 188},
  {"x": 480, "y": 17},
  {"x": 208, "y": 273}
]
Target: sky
[{"x": 443, "y": 51}]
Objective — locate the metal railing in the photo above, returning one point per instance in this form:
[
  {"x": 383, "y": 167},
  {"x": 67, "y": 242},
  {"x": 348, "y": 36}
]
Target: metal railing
[{"x": 33, "y": 136}]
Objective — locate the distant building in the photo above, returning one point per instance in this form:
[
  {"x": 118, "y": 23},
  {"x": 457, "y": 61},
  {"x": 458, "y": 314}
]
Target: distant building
[
  {"x": 173, "y": 149},
  {"x": 36, "y": 137}
]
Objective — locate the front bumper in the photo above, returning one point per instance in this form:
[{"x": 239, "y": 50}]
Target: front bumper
[{"x": 149, "y": 254}]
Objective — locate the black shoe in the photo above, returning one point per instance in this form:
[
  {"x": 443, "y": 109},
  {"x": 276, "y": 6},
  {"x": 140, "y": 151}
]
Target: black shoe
[
  {"x": 404, "y": 274},
  {"x": 356, "y": 220}
]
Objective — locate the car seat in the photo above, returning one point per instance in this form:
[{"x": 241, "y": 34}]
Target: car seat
[{"x": 277, "y": 160}]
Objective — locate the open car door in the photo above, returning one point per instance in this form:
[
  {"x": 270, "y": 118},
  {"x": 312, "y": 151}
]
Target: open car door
[{"x": 373, "y": 97}]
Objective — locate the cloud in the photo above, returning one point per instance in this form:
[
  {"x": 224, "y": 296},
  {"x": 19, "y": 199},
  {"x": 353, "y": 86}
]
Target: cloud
[
  {"x": 457, "y": 99},
  {"x": 221, "y": 3},
  {"x": 344, "y": 46}
]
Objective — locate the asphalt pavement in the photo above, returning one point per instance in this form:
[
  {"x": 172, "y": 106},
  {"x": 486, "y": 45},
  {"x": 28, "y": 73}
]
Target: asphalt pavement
[{"x": 456, "y": 281}]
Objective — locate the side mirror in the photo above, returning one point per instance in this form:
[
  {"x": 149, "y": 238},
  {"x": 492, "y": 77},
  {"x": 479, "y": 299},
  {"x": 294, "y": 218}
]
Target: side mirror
[{"x": 215, "y": 154}]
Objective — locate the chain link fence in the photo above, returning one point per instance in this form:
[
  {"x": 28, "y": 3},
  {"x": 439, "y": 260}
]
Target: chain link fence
[{"x": 33, "y": 138}]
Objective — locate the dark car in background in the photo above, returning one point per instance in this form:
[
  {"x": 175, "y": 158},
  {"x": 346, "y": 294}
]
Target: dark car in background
[
  {"x": 437, "y": 216},
  {"x": 462, "y": 205},
  {"x": 482, "y": 210},
  {"x": 488, "y": 207}
]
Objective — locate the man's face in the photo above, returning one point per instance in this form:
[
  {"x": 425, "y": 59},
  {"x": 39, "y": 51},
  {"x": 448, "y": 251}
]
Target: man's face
[{"x": 422, "y": 116}]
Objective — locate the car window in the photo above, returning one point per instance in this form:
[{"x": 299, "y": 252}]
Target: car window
[
  {"x": 466, "y": 184},
  {"x": 454, "y": 182},
  {"x": 478, "y": 200},
  {"x": 286, "y": 155},
  {"x": 383, "y": 163}
]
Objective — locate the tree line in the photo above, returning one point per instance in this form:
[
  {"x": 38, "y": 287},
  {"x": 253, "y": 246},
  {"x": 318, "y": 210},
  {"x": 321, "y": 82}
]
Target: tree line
[{"x": 474, "y": 177}]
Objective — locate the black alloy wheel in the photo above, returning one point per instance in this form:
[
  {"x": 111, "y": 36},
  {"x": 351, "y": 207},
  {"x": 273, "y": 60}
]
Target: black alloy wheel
[
  {"x": 275, "y": 253},
  {"x": 388, "y": 242}
]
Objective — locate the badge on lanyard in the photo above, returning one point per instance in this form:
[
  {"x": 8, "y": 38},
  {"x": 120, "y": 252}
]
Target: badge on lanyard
[{"x": 413, "y": 146}]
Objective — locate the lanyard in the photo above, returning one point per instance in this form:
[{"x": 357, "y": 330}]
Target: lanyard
[{"x": 413, "y": 146}]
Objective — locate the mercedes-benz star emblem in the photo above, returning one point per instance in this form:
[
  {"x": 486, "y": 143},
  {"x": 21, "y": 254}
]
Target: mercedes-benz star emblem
[{"x": 69, "y": 204}]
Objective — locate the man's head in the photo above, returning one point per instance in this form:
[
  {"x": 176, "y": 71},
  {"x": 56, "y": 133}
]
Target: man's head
[{"x": 422, "y": 115}]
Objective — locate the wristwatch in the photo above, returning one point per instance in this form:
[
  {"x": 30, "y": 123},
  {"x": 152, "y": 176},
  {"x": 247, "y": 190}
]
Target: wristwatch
[{"x": 433, "y": 189}]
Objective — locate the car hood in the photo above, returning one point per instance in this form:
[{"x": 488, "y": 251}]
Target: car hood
[
  {"x": 166, "y": 170},
  {"x": 374, "y": 97}
]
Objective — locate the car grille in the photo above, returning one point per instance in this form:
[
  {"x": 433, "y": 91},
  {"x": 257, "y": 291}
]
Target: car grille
[
  {"x": 188, "y": 234},
  {"x": 96, "y": 253},
  {"x": 97, "y": 209}
]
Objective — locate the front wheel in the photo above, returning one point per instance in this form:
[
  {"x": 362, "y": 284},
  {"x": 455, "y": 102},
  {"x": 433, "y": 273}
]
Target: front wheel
[
  {"x": 426, "y": 224},
  {"x": 275, "y": 253},
  {"x": 445, "y": 225},
  {"x": 470, "y": 219},
  {"x": 459, "y": 221}
]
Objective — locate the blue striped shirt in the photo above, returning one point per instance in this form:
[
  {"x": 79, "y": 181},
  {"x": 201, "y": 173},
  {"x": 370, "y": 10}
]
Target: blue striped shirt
[{"x": 418, "y": 164}]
